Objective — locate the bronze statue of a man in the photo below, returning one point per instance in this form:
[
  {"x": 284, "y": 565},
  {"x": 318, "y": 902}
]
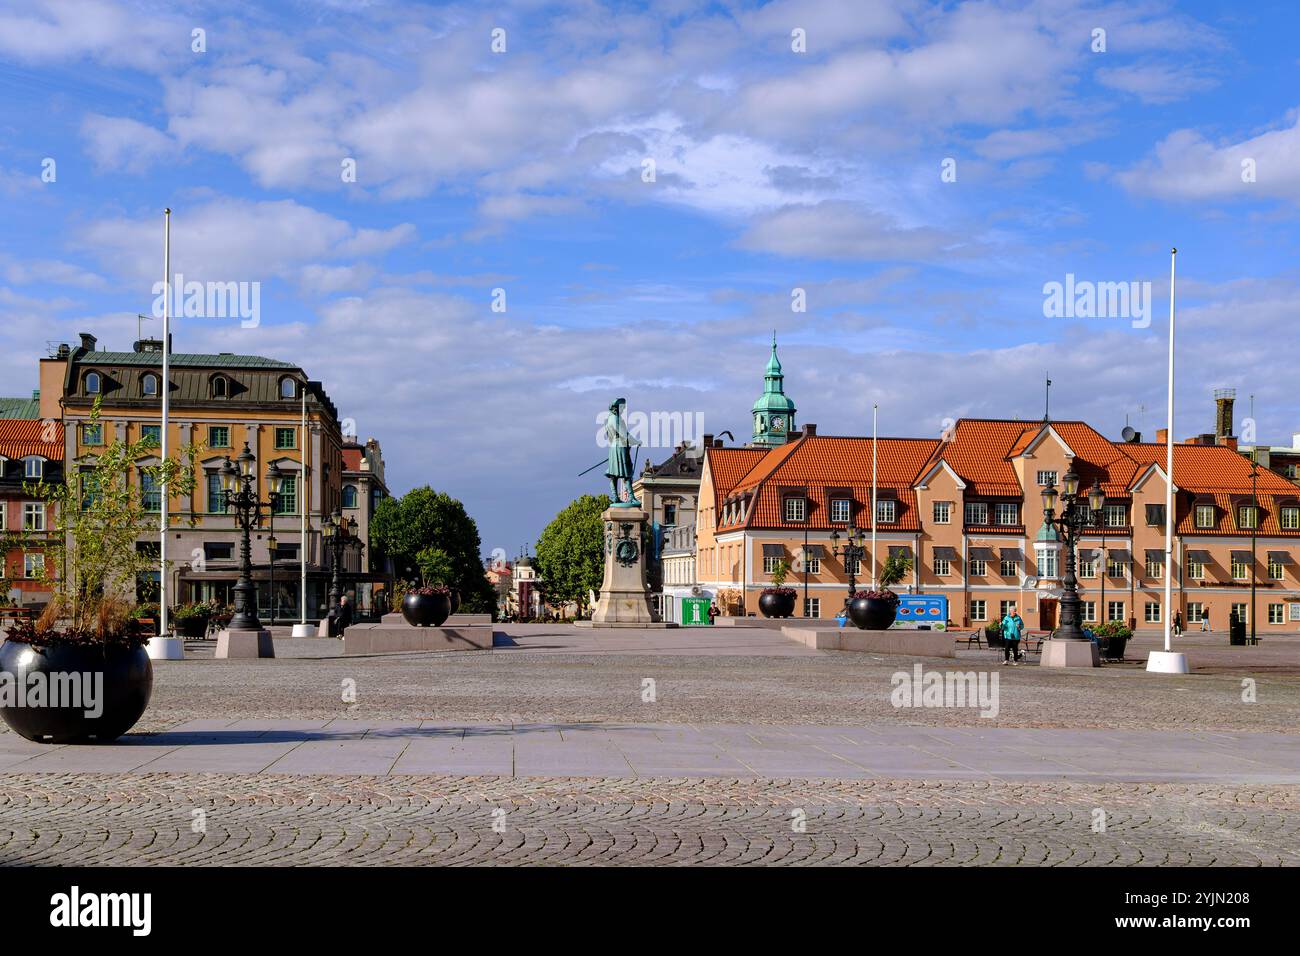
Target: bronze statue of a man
[{"x": 618, "y": 464}]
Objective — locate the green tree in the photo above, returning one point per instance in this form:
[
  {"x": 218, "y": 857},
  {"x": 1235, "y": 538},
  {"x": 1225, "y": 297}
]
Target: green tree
[
  {"x": 428, "y": 534},
  {"x": 570, "y": 552}
]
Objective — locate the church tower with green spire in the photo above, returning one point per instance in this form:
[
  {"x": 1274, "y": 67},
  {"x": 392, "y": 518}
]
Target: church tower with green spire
[{"x": 773, "y": 412}]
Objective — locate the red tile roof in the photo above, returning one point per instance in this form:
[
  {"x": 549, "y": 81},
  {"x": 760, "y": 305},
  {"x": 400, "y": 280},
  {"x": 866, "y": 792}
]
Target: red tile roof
[
  {"x": 22, "y": 437},
  {"x": 351, "y": 458},
  {"x": 978, "y": 450},
  {"x": 729, "y": 465}
]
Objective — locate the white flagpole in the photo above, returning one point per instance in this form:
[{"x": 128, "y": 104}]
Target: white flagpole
[
  {"x": 1167, "y": 661},
  {"x": 874, "y": 407},
  {"x": 165, "y": 386},
  {"x": 302, "y": 520}
]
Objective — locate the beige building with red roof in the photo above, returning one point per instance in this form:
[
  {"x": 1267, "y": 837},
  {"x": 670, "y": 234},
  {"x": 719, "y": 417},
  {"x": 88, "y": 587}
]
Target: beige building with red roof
[
  {"x": 967, "y": 508},
  {"x": 31, "y": 451}
]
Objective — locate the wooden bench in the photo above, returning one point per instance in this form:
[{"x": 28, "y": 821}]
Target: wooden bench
[{"x": 976, "y": 637}]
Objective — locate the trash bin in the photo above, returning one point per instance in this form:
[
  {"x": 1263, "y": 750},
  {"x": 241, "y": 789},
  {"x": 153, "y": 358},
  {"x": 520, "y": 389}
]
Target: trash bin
[{"x": 1236, "y": 632}]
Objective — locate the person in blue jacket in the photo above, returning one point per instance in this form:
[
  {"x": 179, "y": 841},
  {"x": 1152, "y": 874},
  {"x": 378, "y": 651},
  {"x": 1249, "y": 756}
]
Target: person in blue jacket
[{"x": 1013, "y": 627}]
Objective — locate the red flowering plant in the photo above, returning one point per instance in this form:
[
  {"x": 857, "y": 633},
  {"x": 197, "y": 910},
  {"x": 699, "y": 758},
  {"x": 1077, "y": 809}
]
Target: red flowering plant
[{"x": 896, "y": 568}]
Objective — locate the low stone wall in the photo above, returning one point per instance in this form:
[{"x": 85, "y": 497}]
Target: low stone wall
[
  {"x": 386, "y": 639},
  {"x": 907, "y": 643},
  {"x": 395, "y": 619}
]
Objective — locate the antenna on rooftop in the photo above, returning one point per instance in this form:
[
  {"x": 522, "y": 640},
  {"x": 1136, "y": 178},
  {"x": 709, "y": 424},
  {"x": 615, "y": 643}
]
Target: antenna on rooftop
[{"x": 1047, "y": 403}]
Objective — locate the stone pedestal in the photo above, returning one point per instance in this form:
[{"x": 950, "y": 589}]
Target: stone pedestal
[
  {"x": 244, "y": 644},
  {"x": 1167, "y": 662},
  {"x": 1070, "y": 654},
  {"x": 165, "y": 649},
  {"x": 303, "y": 630},
  {"x": 624, "y": 598}
]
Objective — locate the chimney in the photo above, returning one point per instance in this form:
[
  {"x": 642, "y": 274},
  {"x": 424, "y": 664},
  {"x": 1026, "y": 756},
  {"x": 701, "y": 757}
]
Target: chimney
[
  {"x": 708, "y": 440},
  {"x": 1229, "y": 440},
  {"x": 64, "y": 351},
  {"x": 810, "y": 430},
  {"x": 1295, "y": 440},
  {"x": 1162, "y": 436},
  {"x": 1223, "y": 401},
  {"x": 87, "y": 341}
]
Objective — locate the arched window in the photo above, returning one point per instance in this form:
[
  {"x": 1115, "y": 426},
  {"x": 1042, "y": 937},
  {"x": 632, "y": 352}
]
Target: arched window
[
  {"x": 149, "y": 385},
  {"x": 349, "y": 496},
  {"x": 288, "y": 388},
  {"x": 94, "y": 383},
  {"x": 220, "y": 387}
]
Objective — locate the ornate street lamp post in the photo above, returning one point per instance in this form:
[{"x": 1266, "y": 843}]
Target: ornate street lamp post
[
  {"x": 340, "y": 534},
  {"x": 852, "y": 552},
  {"x": 240, "y": 485},
  {"x": 271, "y": 547},
  {"x": 1076, "y": 515}
]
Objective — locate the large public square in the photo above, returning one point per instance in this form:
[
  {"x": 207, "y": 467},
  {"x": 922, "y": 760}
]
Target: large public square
[{"x": 754, "y": 749}]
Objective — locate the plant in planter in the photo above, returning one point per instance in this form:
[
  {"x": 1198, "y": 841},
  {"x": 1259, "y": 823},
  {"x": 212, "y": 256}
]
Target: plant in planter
[
  {"x": 875, "y": 610},
  {"x": 437, "y": 569},
  {"x": 426, "y": 606},
  {"x": 192, "y": 620},
  {"x": 87, "y": 649},
  {"x": 1114, "y": 636},
  {"x": 778, "y": 600}
]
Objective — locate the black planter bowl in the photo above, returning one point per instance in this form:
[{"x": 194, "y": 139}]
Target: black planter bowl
[
  {"x": 193, "y": 626},
  {"x": 776, "y": 605},
  {"x": 455, "y": 601},
  {"x": 123, "y": 691},
  {"x": 426, "y": 610},
  {"x": 872, "y": 614}
]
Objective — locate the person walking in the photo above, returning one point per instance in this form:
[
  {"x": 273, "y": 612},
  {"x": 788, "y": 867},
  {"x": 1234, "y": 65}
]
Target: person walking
[
  {"x": 1013, "y": 626},
  {"x": 1205, "y": 618},
  {"x": 713, "y": 612},
  {"x": 1178, "y": 623}
]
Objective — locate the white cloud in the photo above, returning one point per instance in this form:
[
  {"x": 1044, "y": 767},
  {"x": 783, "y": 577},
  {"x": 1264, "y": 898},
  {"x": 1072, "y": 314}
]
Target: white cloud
[
  {"x": 121, "y": 143},
  {"x": 842, "y": 230}
]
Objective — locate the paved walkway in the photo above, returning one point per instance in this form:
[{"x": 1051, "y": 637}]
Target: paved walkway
[{"x": 345, "y": 746}]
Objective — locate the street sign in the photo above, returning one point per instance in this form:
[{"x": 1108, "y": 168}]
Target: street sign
[{"x": 695, "y": 612}]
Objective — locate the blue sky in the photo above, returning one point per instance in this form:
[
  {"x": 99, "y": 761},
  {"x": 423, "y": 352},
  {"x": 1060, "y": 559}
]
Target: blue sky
[{"x": 775, "y": 170}]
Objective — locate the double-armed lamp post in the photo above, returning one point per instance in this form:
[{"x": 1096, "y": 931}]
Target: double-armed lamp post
[
  {"x": 852, "y": 552},
  {"x": 1077, "y": 514},
  {"x": 240, "y": 485},
  {"x": 340, "y": 534}
]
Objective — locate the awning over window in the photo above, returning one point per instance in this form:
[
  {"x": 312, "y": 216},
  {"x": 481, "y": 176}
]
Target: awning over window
[
  {"x": 981, "y": 554},
  {"x": 1012, "y": 554},
  {"x": 814, "y": 551},
  {"x": 1156, "y": 554},
  {"x": 1197, "y": 555},
  {"x": 1241, "y": 555},
  {"x": 945, "y": 554},
  {"x": 1087, "y": 554},
  {"x": 900, "y": 549},
  {"x": 1281, "y": 557},
  {"x": 773, "y": 550},
  {"x": 1118, "y": 554}
]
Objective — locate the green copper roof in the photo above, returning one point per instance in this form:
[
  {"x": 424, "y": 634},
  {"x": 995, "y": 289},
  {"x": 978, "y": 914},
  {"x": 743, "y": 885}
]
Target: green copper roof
[
  {"x": 773, "y": 398},
  {"x": 27, "y": 408}
]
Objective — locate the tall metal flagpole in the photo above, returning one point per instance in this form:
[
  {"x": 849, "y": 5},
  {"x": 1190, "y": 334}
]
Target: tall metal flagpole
[
  {"x": 874, "y": 407},
  {"x": 1167, "y": 661},
  {"x": 302, "y": 520},
  {"x": 165, "y": 387}
]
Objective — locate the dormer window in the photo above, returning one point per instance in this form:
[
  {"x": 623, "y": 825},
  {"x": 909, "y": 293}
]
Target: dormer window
[
  {"x": 149, "y": 385},
  {"x": 796, "y": 508},
  {"x": 841, "y": 510},
  {"x": 94, "y": 383},
  {"x": 220, "y": 386},
  {"x": 33, "y": 467},
  {"x": 288, "y": 388}
]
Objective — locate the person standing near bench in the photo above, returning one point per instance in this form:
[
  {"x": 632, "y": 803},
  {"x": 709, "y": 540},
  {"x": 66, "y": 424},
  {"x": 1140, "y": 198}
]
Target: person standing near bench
[{"x": 1013, "y": 626}]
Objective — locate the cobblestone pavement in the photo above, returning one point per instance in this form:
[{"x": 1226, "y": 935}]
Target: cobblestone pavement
[
  {"x": 531, "y": 683},
  {"x": 207, "y": 819}
]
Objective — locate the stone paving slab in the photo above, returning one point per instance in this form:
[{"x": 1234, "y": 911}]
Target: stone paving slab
[{"x": 649, "y": 750}]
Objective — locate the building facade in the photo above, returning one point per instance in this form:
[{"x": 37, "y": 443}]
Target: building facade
[
  {"x": 967, "y": 509},
  {"x": 31, "y": 451},
  {"x": 218, "y": 404}
]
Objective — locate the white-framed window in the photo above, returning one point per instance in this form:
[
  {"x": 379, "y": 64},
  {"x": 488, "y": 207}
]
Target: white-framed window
[
  {"x": 1240, "y": 612},
  {"x": 33, "y": 564},
  {"x": 1087, "y": 567},
  {"x": 1195, "y": 612},
  {"x": 33, "y": 516},
  {"x": 942, "y": 567},
  {"x": 1114, "y": 610},
  {"x": 1114, "y": 568},
  {"x": 795, "y": 509},
  {"x": 886, "y": 510},
  {"x": 1195, "y": 569},
  {"x": 1155, "y": 516},
  {"x": 1048, "y": 566},
  {"x": 1275, "y": 614},
  {"x": 1005, "y": 608},
  {"x": 1205, "y": 516},
  {"x": 149, "y": 385},
  {"x": 1151, "y": 612},
  {"x": 1290, "y": 518},
  {"x": 841, "y": 510},
  {"x": 812, "y": 607},
  {"x": 4, "y": 513},
  {"x": 1046, "y": 478},
  {"x": 1006, "y": 513},
  {"x": 978, "y": 567},
  {"x": 1155, "y": 567},
  {"x": 1246, "y": 517},
  {"x": 33, "y": 466},
  {"x": 1276, "y": 570},
  {"x": 94, "y": 383},
  {"x": 1240, "y": 570},
  {"x": 979, "y": 610},
  {"x": 853, "y": 566},
  {"x": 943, "y": 512},
  {"x": 977, "y": 512},
  {"x": 1115, "y": 516},
  {"x": 1089, "y": 610},
  {"x": 1007, "y": 568},
  {"x": 1289, "y": 471}
]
